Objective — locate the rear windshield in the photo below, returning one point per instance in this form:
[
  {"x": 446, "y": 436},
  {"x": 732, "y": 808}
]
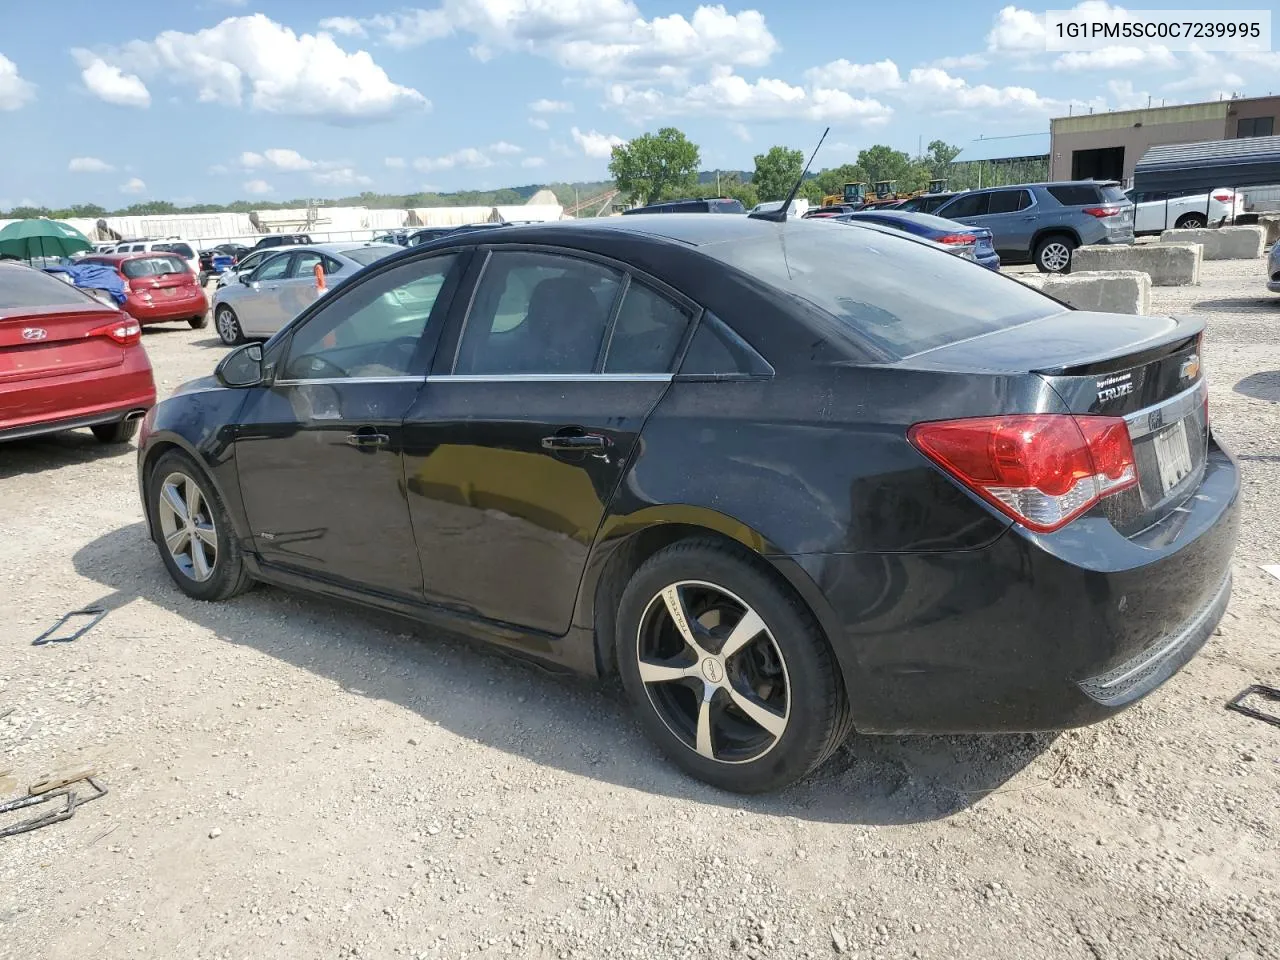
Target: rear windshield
[
  {"x": 181, "y": 249},
  {"x": 25, "y": 287},
  {"x": 901, "y": 295},
  {"x": 1114, "y": 193},
  {"x": 730, "y": 206},
  {"x": 367, "y": 255},
  {"x": 152, "y": 267}
]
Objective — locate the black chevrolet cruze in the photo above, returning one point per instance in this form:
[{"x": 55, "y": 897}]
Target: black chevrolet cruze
[{"x": 788, "y": 480}]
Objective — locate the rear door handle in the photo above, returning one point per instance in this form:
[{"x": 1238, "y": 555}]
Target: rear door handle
[
  {"x": 575, "y": 441},
  {"x": 367, "y": 437}
]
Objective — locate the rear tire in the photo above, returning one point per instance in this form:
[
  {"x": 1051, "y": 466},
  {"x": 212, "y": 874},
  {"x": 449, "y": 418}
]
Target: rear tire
[
  {"x": 200, "y": 322},
  {"x": 1053, "y": 253},
  {"x": 227, "y": 324},
  {"x": 1191, "y": 221},
  {"x": 122, "y": 431},
  {"x": 757, "y": 719},
  {"x": 202, "y": 556}
]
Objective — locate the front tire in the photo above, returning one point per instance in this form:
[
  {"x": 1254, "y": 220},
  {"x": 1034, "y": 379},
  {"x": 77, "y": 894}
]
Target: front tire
[
  {"x": 193, "y": 531},
  {"x": 1053, "y": 253},
  {"x": 729, "y": 673},
  {"x": 200, "y": 322},
  {"x": 227, "y": 324},
  {"x": 122, "y": 431}
]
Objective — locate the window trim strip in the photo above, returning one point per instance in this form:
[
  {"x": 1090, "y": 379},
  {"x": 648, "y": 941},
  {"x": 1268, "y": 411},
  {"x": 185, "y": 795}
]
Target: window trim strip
[{"x": 489, "y": 378}]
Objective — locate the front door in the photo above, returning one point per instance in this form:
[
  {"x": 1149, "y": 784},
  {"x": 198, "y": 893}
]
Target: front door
[
  {"x": 319, "y": 450},
  {"x": 512, "y": 455},
  {"x": 259, "y": 308}
]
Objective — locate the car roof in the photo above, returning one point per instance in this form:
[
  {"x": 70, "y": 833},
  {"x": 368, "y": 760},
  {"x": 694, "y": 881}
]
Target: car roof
[
  {"x": 690, "y": 229},
  {"x": 1049, "y": 183},
  {"x": 332, "y": 248},
  {"x": 136, "y": 255}
]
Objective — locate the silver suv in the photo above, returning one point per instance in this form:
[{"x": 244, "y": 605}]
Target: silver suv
[{"x": 1043, "y": 223}]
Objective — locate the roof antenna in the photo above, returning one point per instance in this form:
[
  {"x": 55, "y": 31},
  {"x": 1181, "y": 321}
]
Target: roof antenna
[{"x": 780, "y": 215}]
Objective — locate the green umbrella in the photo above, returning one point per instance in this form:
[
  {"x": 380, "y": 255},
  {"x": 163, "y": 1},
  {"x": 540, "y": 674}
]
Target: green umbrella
[{"x": 41, "y": 238}]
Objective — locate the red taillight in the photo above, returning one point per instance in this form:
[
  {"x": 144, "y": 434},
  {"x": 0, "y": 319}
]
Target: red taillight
[
  {"x": 954, "y": 238},
  {"x": 1101, "y": 211},
  {"x": 126, "y": 331},
  {"x": 1043, "y": 470},
  {"x": 1224, "y": 197}
]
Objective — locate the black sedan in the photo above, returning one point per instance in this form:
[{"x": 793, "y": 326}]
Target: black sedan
[{"x": 785, "y": 479}]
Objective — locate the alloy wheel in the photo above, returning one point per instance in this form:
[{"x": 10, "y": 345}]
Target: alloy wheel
[
  {"x": 228, "y": 329},
  {"x": 713, "y": 672},
  {"x": 186, "y": 522},
  {"x": 1055, "y": 256}
]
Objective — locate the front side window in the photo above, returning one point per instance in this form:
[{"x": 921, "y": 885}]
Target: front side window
[
  {"x": 537, "y": 313},
  {"x": 374, "y": 328},
  {"x": 277, "y": 268}
]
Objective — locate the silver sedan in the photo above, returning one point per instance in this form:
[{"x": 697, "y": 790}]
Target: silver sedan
[{"x": 283, "y": 283}]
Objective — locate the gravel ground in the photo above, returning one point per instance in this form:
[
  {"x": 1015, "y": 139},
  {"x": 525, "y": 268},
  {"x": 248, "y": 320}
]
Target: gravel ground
[{"x": 294, "y": 778}]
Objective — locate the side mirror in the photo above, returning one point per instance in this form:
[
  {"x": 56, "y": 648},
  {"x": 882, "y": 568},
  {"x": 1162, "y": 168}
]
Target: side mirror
[{"x": 242, "y": 367}]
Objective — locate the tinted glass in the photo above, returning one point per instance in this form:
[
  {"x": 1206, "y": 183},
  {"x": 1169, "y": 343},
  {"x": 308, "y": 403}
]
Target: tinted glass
[
  {"x": 966, "y": 205},
  {"x": 897, "y": 293},
  {"x": 276, "y": 268},
  {"x": 1074, "y": 194},
  {"x": 250, "y": 262},
  {"x": 1113, "y": 193},
  {"x": 369, "y": 254},
  {"x": 729, "y": 206},
  {"x": 153, "y": 267},
  {"x": 181, "y": 249},
  {"x": 718, "y": 351},
  {"x": 372, "y": 329},
  {"x": 647, "y": 333},
  {"x": 24, "y": 287},
  {"x": 1009, "y": 201},
  {"x": 537, "y": 313}
]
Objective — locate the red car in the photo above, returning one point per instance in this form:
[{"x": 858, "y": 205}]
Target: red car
[
  {"x": 159, "y": 286},
  {"x": 68, "y": 360}
]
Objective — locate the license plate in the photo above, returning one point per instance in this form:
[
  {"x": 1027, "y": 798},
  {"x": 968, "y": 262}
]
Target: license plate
[
  {"x": 168, "y": 291},
  {"x": 1173, "y": 455}
]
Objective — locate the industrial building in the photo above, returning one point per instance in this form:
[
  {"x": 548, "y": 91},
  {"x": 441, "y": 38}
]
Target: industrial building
[{"x": 1107, "y": 146}]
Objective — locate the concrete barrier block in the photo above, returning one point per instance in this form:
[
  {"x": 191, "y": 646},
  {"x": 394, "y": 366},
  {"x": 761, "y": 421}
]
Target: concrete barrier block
[
  {"x": 1033, "y": 280},
  {"x": 1270, "y": 224},
  {"x": 1104, "y": 291},
  {"x": 1222, "y": 243},
  {"x": 1167, "y": 264}
]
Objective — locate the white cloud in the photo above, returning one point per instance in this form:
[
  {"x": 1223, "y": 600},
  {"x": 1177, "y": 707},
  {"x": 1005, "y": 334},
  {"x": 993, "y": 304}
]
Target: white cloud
[
  {"x": 287, "y": 160},
  {"x": 969, "y": 61},
  {"x": 257, "y": 187},
  {"x": 110, "y": 83},
  {"x": 1117, "y": 58},
  {"x": 600, "y": 37},
  {"x": 14, "y": 91},
  {"x": 843, "y": 75},
  {"x": 539, "y": 124},
  {"x": 341, "y": 177},
  {"x": 943, "y": 93},
  {"x": 468, "y": 157},
  {"x": 219, "y": 169},
  {"x": 502, "y": 148},
  {"x": 249, "y": 159},
  {"x": 133, "y": 185},
  {"x": 280, "y": 71},
  {"x": 89, "y": 165},
  {"x": 532, "y": 163},
  {"x": 740, "y": 131},
  {"x": 395, "y": 163},
  {"x": 551, "y": 106},
  {"x": 347, "y": 26},
  {"x": 1016, "y": 30},
  {"x": 597, "y": 145}
]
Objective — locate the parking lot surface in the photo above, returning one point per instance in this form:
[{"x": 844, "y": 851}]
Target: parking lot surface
[{"x": 294, "y": 778}]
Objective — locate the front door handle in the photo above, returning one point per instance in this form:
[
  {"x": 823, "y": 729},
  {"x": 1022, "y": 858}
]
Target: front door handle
[
  {"x": 575, "y": 441},
  {"x": 367, "y": 437}
]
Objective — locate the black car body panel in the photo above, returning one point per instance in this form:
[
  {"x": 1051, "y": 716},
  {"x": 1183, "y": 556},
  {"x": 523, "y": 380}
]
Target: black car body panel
[{"x": 944, "y": 614}]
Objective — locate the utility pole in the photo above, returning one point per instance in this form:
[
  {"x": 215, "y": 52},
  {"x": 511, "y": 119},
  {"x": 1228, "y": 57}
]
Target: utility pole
[{"x": 717, "y": 183}]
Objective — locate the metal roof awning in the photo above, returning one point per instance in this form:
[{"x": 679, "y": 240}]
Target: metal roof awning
[
  {"x": 1242, "y": 162},
  {"x": 1023, "y": 146}
]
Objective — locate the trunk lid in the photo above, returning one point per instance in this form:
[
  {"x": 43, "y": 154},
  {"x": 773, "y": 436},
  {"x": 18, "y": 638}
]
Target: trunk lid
[
  {"x": 54, "y": 341},
  {"x": 1146, "y": 370}
]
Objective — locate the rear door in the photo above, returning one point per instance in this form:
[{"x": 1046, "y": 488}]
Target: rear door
[
  {"x": 1012, "y": 220},
  {"x": 525, "y": 429}
]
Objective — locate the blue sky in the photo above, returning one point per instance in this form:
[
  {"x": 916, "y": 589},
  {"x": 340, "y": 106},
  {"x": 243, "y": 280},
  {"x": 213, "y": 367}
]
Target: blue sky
[{"x": 214, "y": 101}]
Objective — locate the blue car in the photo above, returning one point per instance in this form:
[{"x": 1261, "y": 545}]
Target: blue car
[{"x": 972, "y": 243}]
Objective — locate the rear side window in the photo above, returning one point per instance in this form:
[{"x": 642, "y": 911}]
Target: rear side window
[
  {"x": 1075, "y": 194},
  {"x": 367, "y": 255},
  {"x": 1009, "y": 201},
  {"x": 152, "y": 267},
  {"x": 24, "y": 287},
  {"x": 901, "y": 295},
  {"x": 718, "y": 351},
  {"x": 967, "y": 205},
  {"x": 1114, "y": 194},
  {"x": 646, "y": 334}
]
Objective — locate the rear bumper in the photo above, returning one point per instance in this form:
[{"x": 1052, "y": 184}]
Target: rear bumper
[
  {"x": 1031, "y": 632},
  {"x": 1123, "y": 240},
  {"x": 161, "y": 311},
  {"x": 54, "y": 404},
  {"x": 133, "y": 411}
]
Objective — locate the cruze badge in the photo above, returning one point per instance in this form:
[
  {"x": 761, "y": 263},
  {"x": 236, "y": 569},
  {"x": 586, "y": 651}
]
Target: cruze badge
[
  {"x": 1112, "y": 388},
  {"x": 1190, "y": 367},
  {"x": 34, "y": 333}
]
